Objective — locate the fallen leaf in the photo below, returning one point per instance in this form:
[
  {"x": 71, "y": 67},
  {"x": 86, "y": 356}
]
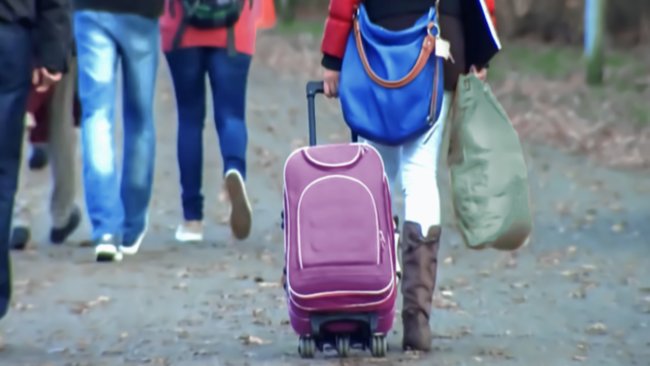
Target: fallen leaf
[
  {"x": 57, "y": 350},
  {"x": 519, "y": 285},
  {"x": 597, "y": 329},
  {"x": 183, "y": 273},
  {"x": 252, "y": 340},
  {"x": 447, "y": 294},
  {"x": 562, "y": 208},
  {"x": 519, "y": 299},
  {"x": 579, "y": 358},
  {"x": 619, "y": 227},
  {"x": 496, "y": 353},
  {"x": 268, "y": 284},
  {"x": 23, "y": 307},
  {"x": 182, "y": 333},
  {"x": 449, "y": 260},
  {"x": 257, "y": 312},
  {"x": 579, "y": 294},
  {"x": 180, "y": 286}
]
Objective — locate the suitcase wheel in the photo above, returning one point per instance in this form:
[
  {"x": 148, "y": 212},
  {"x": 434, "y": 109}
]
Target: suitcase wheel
[
  {"x": 306, "y": 347},
  {"x": 343, "y": 345},
  {"x": 378, "y": 345}
]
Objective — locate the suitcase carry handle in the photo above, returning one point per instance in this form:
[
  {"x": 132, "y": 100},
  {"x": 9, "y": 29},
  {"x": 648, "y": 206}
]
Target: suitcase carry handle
[{"x": 313, "y": 88}]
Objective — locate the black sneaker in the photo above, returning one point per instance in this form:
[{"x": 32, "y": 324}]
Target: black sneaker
[
  {"x": 38, "y": 158},
  {"x": 59, "y": 235},
  {"x": 106, "y": 249},
  {"x": 20, "y": 237}
]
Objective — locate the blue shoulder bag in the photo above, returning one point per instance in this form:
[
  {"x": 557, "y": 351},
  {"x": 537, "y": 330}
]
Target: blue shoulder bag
[{"x": 391, "y": 84}]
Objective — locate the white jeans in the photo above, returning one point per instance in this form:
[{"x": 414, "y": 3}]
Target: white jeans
[{"x": 414, "y": 164}]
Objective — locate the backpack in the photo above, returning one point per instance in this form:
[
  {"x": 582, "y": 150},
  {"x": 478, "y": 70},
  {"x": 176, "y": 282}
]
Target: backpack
[{"x": 209, "y": 14}]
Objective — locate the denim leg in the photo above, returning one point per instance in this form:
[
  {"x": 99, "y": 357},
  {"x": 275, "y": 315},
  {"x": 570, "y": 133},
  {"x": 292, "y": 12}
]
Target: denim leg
[
  {"x": 14, "y": 89},
  {"x": 138, "y": 41},
  {"x": 188, "y": 68},
  {"x": 97, "y": 64},
  {"x": 228, "y": 80}
]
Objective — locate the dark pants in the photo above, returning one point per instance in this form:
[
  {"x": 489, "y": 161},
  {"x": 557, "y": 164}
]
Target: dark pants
[
  {"x": 228, "y": 77},
  {"x": 14, "y": 87}
]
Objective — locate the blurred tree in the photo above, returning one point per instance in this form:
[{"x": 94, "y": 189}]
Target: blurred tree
[
  {"x": 286, "y": 9},
  {"x": 594, "y": 39}
]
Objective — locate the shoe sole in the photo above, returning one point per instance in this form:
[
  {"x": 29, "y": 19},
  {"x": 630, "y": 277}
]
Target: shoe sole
[
  {"x": 240, "y": 215},
  {"x": 107, "y": 253}
]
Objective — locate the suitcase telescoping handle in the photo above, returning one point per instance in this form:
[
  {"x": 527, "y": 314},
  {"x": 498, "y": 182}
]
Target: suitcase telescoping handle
[{"x": 313, "y": 88}]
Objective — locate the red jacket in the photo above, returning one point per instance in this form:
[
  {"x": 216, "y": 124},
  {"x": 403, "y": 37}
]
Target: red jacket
[
  {"x": 245, "y": 30},
  {"x": 339, "y": 24}
]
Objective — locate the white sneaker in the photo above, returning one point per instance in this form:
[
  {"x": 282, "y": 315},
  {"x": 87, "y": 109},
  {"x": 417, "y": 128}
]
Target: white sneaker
[
  {"x": 133, "y": 249},
  {"x": 189, "y": 231},
  {"x": 106, "y": 250},
  {"x": 241, "y": 215}
]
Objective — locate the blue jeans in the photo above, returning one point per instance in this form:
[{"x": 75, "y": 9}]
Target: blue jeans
[
  {"x": 103, "y": 39},
  {"x": 228, "y": 77},
  {"x": 15, "y": 79}
]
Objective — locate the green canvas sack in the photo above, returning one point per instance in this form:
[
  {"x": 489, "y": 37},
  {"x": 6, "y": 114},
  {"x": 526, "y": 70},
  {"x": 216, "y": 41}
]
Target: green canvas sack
[{"x": 488, "y": 173}]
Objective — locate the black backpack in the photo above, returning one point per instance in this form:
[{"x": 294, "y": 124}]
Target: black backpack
[{"x": 209, "y": 14}]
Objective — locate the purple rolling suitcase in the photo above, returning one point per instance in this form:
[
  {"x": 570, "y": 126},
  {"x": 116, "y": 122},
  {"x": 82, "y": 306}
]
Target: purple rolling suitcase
[{"x": 339, "y": 245}]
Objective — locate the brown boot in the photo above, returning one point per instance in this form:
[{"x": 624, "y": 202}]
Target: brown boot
[{"x": 420, "y": 262}]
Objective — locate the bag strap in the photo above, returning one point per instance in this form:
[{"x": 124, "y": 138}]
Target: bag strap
[{"x": 428, "y": 45}]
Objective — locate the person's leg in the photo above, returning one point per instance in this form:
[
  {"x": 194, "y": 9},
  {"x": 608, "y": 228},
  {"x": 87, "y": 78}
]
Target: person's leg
[
  {"x": 138, "y": 39},
  {"x": 14, "y": 87},
  {"x": 37, "y": 105},
  {"x": 228, "y": 80},
  {"x": 97, "y": 65},
  {"x": 62, "y": 147},
  {"x": 421, "y": 233},
  {"x": 188, "y": 68}
]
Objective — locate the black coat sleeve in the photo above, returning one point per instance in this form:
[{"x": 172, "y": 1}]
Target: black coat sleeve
[
  {"x": 53, "y": 34},
  {"x": 481, "y": 40}
]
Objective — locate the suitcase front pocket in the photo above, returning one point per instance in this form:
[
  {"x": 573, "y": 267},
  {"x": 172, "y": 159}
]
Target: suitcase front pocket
[{"x": 338, "y": 224}]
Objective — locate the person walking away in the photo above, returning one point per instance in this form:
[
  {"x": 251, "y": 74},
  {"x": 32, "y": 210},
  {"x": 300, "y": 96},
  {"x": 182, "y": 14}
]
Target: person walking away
[
  {"x": 223, "y": 53},
  {"x": 43, "y": 107},
  {"x": 414, "y": 162},
  {"x": 108, "y": 32},
  {"x": 34, "y": 42},
  {"x": 54, "y": 113}
]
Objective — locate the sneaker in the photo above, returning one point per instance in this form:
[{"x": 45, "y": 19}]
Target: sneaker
[
  {"x": 133, "y": 248},
  {"x": 189, "y": 231},
  {"x": 59, "y": 235},
  {"x": 106, "y": 249},
  {"x": 20, "y": 237},
  {"x": 38, "y": 158},
  {"x": 241, "y": 212}
]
